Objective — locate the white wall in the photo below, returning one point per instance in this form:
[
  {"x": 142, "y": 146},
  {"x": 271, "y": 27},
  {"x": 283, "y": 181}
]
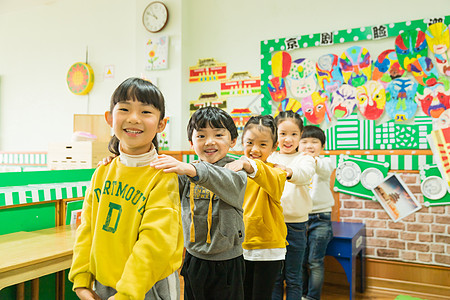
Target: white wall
[{"x": 40, "y": 41}]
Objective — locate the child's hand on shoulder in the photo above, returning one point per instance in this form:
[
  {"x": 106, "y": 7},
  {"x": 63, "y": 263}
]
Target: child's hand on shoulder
[
  {"x": 86, "y": 294},
  {"x": 106, "y": 161},
  {"x": 169, "y": 164},
  {"x": 284, "y": 168},
  {"x": 240, "y": 164}
]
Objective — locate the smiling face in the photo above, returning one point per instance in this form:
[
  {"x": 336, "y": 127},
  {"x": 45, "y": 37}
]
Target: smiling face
[
  {"x": 288, "y": 136},
  {"x": 258, "y": 143},
  {"x": 212, "y": 144},
  {"x": 311, "y": 145},
  {"x": 135, "y": 124}
]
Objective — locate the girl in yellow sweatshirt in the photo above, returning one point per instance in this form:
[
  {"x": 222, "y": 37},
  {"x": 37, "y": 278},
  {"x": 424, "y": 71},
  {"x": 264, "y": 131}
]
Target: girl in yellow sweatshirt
[
  {"x": 130, "y": 241},
  {"x": 265, "y": 230}
]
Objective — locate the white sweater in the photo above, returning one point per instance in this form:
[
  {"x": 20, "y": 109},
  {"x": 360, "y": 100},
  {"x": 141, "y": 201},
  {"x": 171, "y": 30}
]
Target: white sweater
[
  {"x": 295, "y": 200},
  {"x": 321, "y": 195}
]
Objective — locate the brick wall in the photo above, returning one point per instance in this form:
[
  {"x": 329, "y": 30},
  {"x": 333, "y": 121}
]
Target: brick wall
[{"x": 422, "y": 237}]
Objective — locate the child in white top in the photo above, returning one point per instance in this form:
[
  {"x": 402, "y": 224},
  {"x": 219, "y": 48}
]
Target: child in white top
[
  {"x": 296, "y": 202},
  {"x": 319, "y": 232}
]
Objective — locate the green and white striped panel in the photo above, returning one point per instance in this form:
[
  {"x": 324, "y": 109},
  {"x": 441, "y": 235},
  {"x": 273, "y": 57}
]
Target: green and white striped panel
[
  {"x": 23, "y": 159},
  {"x": 42, "y": 192},
  {"x": 350, "y": 134},
  {"x": 396, "y": 162},
  {"x": 188, "y": 158}
]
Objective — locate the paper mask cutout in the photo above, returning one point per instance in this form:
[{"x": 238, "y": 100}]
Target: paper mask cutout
[
  {"x": 443, "y": 121},
  {"x": 434, "y": 100},
  {"x": 438, "y": 39},
  {"x": 356, "y": 66},
  {"x": 424, "y": 71},
  {"x": 410, "y": 45},
  {"x": 343, "y": 101},
  {"x": 400, "y": 99},
  {"x": 329, "y": 72},
  {"x": 277, "y": 88},
  {"x": 315, "y": 107},
  {"x": 371, "y": 99},
  {"x": 302, "y": 78},
  {"x": 281, "y": 64},
  {"x": 289, "y": 104},
  {"x": 387, "y": 68}
]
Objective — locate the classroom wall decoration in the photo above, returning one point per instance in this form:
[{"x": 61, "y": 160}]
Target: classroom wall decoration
[
  {"x": 157, "y": 51},
  {"x": 207, "y": 99},
  {"x": 80, "y": 78},
  {"x": 207, "y": 69},
  {"x": 377, "y": 95},
  {"x": 434, "y": 189},
  {"x": 240, "y": 83}
]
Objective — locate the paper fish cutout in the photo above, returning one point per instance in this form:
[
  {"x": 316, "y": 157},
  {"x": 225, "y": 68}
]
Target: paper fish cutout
[
  {"x": 281, "y": 64},
  {"x": 277, "y": 88},
  {"x": 371, "y": 99},
  {"x": 424, "y": 71},
  {"x": 356, "y": 66},
  {"x": 387, "y": 68},
  {"x": 400, "y": 99},
  {"x": 410, "y": 45},
  {"x": 443, "y": 121},
  {"x": 434, "y": 100},
  {"x": 329, "y": 72},
  {"x": 438, "y": 40},
  {"x": 315, "y": 107},
  {"x": 302, "y": 78},
  {"x": 343, "y": 101},
  {"x": 289, "y": 104}
]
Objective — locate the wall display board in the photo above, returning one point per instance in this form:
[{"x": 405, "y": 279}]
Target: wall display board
[
  {"x": 357, "y": 176},
  {"x": 370, "y": 101},
  {"x": 434, "y": 189}
]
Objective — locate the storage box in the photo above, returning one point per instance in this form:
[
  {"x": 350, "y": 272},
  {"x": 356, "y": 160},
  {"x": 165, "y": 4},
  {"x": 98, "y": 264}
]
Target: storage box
[
  {"x": 76, "y": 155},
  {"x": 95, "y": 124}
]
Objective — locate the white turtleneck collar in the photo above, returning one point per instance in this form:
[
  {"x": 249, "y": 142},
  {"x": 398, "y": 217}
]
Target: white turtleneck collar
[{"x": 140, "y": 160}]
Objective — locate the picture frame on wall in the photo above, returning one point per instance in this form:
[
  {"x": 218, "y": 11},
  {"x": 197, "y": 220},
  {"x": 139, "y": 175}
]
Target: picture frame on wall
[{"x": 395, "y": 197}]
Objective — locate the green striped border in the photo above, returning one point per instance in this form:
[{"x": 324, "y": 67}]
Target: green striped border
[{"x": 23, "y": 159}]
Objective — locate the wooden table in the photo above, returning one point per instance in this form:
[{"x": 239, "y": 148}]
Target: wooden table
[{"x": 30, "y": 255}]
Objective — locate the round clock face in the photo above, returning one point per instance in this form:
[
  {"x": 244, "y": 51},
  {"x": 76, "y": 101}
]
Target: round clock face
[{"x": 155, "y": 16}]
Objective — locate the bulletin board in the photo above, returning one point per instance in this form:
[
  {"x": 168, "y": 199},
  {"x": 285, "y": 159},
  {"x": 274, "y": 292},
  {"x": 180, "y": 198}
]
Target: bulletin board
[{"x": 353, "y": 132}]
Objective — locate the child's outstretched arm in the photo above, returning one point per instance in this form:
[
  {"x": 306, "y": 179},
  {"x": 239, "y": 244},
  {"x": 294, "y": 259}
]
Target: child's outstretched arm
[
  {"x": 172, "y": 165},
  {"x": 324, "y": 167}
]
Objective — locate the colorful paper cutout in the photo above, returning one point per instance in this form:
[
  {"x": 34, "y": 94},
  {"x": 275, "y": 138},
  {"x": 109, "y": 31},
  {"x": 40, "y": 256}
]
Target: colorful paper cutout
[
  {"x": 329, "y": 73},
  {"x": 438, "y": 39},
  {"x": 387, "y": 68},
  {"x": 356, "y": 66},
  {"x": 240, "y": 83},
  {"x": 439, "y": 141},
  {"x": 80, "y": 78},
  {"x": 410, "y": 45},
  {"x": 343, "y": 101},
  {"x": 277, "y": 89},
  {"x": 315, "y": 107},
  {"x": 240, "y": 117},
  {"x": 443, "y": 121},
  {"x": 434, "y": 100},
  {"x": 289, "y": 104},
  {"x": 302, "y": 78},
  {"x": 400, "y": 99},
  {"x": 371, "y": 99},
  {"x": 207, "y": 99},
  {"x": 207, "y": 69},
  {"x": 424, "y": 71},
  {"x": 281, "y": 64}
]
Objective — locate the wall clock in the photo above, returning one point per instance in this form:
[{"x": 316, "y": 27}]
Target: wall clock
[{"x": 155, "y": 16}]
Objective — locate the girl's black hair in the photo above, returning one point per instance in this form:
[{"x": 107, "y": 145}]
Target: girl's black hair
[
  {"x": 314, "y": 132},
  {"x": 262, "y": 122},
  {"x": 213, "y": 117},
  {"x": 284, "y": 115},
  {"x": 136, "y": 89}
]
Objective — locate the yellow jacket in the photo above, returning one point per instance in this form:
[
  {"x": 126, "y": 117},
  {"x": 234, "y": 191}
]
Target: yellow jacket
[
  {"x": 130, "y": 235},
  {"x": 263, "y": 214}
]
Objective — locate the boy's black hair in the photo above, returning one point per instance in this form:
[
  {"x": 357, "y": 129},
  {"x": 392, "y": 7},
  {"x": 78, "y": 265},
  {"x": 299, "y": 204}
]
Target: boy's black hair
[
  {"x": 314, "y": 132},
  {"x": 136, "y": 89},
  {"x": 285, "y": 115},
  {"x": 213, "y": 117},
  {"x": 261, "y": 122}
]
